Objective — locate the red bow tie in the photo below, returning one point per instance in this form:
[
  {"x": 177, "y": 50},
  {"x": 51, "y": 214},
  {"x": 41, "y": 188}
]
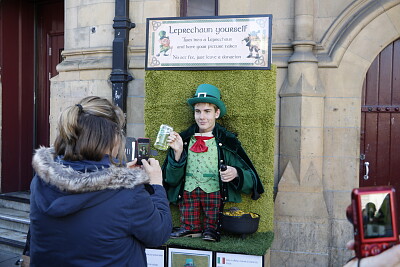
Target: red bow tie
[{"x": 200, "y": 146}]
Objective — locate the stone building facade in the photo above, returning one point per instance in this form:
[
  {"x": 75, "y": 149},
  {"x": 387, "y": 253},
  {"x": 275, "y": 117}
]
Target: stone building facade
[{"x": 322, "y": 50}]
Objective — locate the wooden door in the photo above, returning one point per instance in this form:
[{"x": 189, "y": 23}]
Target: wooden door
[
  {"x": 50, "y": 20},
  {"x": 18, "y": 82},
  {"x": 380, "y": 121},
  {"x": 27, "y": 30}
]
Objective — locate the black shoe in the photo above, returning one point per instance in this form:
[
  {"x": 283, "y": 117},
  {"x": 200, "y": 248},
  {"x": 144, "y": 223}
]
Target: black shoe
[
  {"x": 182, "y": 232},
  {"x": 211, "y": 235}
]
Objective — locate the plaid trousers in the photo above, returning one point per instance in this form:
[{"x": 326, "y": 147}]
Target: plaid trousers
[{"x": 196, "y": 201}]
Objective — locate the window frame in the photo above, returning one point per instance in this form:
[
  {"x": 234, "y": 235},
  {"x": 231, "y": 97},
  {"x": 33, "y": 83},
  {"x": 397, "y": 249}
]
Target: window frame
[{"x": 184, "y": 5}]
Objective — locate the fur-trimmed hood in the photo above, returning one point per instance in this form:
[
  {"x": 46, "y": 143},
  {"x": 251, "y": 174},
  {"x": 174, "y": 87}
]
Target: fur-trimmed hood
[
  {"x": 70, "y": 180},
  {"x": 64, "y": 187}
]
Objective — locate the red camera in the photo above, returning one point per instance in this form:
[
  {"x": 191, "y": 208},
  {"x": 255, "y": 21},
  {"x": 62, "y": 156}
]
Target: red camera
[{"x": 373, "y": 215}]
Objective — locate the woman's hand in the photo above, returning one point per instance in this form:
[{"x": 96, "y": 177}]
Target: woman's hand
[
  {"x": 229, "y": 174},
  {"x": 388, "y": 258},
  {"x": 176, "y": 143},
  {"x": 153, "y": 170},
  {"x": 131, "y": 164}
]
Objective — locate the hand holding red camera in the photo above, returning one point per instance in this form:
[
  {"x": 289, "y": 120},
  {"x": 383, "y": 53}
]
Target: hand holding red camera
[{"x": 388, "y": 258}]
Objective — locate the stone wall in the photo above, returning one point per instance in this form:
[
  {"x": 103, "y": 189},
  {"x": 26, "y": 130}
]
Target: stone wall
[{"x": 86, "y": 70}]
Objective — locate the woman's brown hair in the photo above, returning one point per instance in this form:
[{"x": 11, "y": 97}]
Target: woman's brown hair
[{"x": 91, "y": 129}]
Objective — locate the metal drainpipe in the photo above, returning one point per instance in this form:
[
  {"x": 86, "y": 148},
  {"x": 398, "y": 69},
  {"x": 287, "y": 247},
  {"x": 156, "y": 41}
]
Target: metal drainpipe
[{"x": 119, "y": 74}]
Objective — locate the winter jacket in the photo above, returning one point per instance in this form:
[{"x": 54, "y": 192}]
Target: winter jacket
[
  {"x": 88, "y": 213},
  {"x": 230, "y": 152}
]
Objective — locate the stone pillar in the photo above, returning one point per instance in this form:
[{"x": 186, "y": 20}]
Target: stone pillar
[{"x": 301, "y": 217}]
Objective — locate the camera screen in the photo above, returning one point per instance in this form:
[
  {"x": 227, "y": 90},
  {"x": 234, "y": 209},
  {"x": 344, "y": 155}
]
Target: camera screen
[
  {"x": 143, "y": 150},
  {"x": 377, "y": 217}
]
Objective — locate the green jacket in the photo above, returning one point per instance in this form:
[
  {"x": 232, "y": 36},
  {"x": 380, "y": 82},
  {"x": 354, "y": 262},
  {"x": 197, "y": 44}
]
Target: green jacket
[{"x": 230, "y": 152}]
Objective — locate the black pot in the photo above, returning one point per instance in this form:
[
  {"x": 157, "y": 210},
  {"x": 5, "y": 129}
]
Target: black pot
[{"x": 242, "y": 225}]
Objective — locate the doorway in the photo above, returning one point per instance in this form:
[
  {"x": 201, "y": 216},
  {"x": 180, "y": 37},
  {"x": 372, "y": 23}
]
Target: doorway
[
  {"x": 17, "y": 74},
  {"x": 50, "y": 38},
  {"x": 28, "y": 31},
  {"x": 380, "y": 121}
]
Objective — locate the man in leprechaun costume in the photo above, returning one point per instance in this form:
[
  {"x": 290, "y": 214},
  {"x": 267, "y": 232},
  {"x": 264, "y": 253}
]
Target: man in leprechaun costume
[{"x": 206, "y": 166}]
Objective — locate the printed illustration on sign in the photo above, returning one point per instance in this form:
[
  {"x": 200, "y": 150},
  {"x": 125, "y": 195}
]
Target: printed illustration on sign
[
  {"x": 189, "y": 258},
  {"x": 164, "y": 44},
  {"x": 189, "y": 263},
  {"x": 253, "y": 42}
]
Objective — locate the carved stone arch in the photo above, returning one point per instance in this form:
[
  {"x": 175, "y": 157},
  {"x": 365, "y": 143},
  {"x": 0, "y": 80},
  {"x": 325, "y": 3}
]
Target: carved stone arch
[
  {"x": 345, "y": 82},
  {"x": 359, "y": 48},
  {"x": 355, "y": 20}
]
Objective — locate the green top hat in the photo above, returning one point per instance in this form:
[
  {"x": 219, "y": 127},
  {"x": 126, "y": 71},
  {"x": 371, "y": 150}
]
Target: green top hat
[
  {"x": 207, "y": 93},
  {"x": 162, "y": 35}
]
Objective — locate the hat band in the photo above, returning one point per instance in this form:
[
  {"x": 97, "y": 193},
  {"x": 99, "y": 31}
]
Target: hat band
[{"x": 204, "y": 95}]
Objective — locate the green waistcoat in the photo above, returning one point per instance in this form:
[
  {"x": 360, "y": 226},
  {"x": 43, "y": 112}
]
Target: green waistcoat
[{"x": 202, "y": 168}]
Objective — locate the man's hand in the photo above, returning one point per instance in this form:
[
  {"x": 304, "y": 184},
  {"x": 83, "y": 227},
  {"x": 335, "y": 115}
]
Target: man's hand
[
  {"x": 176, "y": 143},
  {"x": 229, "y": 174}
]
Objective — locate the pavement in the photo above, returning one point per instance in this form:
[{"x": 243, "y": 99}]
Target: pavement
[{"x": 8, "y": 259}]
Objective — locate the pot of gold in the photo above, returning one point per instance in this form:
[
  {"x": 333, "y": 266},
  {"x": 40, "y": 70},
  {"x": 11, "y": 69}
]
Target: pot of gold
[{"x": 239, "y": 222}]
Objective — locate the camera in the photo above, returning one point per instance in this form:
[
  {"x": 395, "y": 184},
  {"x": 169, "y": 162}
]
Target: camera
[
  {"x": 137, "y": 148},
  {"x": 373, "y": 215}
]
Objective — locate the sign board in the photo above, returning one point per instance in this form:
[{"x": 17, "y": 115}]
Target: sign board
[
  {"x": 209, "y": 43},
  {"x": 238, "y": 260},
  {"x": 155, "y": 257}
]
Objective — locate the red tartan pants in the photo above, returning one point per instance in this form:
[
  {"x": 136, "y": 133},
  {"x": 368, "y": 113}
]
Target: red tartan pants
[{"x": 196, "y": 201}]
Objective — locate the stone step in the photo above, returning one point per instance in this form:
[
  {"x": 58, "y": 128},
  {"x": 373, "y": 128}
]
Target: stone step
[
  {"x": 14, "y": 219},
  {"x": 12, "y": 241},
  {"x": 15, "y": 200}
]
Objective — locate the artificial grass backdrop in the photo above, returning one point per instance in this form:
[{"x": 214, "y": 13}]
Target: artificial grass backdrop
[{"x": 250, "y": 99}]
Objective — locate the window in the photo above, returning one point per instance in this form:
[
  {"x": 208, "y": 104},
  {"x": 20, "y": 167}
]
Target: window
[{"x": 199, "y": 8}]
